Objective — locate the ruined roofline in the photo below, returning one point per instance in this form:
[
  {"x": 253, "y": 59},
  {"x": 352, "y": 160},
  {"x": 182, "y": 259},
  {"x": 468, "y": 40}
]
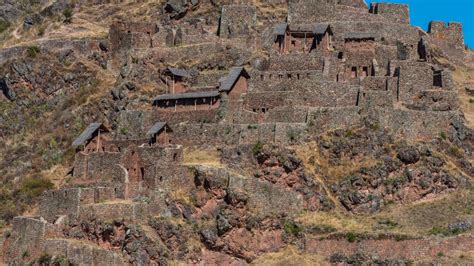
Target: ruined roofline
[
  {"x": 178, "y": 72},
  {"x": 446, "y": 25}
]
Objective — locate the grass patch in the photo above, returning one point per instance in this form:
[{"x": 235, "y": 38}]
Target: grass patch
[
  {"x": 444, "y": 231},
  {"x": 32, "y": 188},
  {"x": 210, "y": 156},
  {"x": 291, "y": 255}
]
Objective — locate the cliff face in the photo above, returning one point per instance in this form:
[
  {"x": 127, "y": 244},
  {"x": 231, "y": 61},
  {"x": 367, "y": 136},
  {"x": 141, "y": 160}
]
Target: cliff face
[{"x": 309, "y": 132}]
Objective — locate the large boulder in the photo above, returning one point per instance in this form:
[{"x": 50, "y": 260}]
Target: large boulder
[{"x": 408, "y": 155}]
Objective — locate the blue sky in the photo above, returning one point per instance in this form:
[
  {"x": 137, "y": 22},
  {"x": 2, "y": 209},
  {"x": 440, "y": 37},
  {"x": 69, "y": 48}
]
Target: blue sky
[{"x": 424, "y": 11}]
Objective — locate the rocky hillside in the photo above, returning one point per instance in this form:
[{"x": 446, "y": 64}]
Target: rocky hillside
[{"x": 307, "y": 132}]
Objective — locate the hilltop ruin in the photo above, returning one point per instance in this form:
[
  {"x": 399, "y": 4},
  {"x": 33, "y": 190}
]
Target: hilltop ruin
[{"x": 331, "y": 65}]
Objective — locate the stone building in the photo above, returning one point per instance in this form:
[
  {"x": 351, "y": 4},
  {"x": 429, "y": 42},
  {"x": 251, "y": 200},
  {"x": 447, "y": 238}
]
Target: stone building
[
  {"x": 175, "y": 80},
  {"x": 280, "y": 35},
  {"x": 302, "y": 38},
  {"x": 235, "y": 83},
  {"x": 191, "y": 101},
  {"x": 359, "y": 52},
  {"x": 92, "y": 139},
  {"x": 159, "y": 133}
]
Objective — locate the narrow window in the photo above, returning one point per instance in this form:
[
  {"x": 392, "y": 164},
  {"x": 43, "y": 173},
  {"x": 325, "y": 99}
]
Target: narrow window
[
  {"x": 437, "y": 79},
  {"x": 365, "y": 71},
  {"x": 354, "y": 72}
]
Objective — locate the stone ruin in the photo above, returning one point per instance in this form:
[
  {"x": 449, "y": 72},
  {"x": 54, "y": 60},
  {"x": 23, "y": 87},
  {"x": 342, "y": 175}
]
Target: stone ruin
[{"x": 333, "y": 64}]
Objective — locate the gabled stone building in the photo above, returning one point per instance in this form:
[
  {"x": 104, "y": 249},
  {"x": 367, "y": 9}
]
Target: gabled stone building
[
  {"x": 235, "y": 83},
  {"x": 175, "y": 80},
  {"x": 92, "y": 139},
  {"x": 159, "y": 134}
]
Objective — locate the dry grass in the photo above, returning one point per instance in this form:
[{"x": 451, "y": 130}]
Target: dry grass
[
  {"x": 415, "y": 219},
  {"x": 57, "y": 174},
  {"x": 420, "y": 217},
  {"x": 201, "y": 156},
  {"x": 326, "y": 173},
  {"x": 88, "y": 21},
  {"x": 312, "y": 157},
  {"x": 182, "y": 195},
  {"x": 342, "y": 222},
  {"x": 290, "y": 256}
]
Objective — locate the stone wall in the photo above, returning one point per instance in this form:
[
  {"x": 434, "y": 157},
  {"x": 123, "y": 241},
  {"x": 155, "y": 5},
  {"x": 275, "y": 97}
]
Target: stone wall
[
  {"x": 292, "y": 62},
  {"x": 128, "y": 170},
  {"x": 56, "y": 203},
  {"x": 27, "y": 239},
  {"x": 308, "y": 11},
  {"x": 448, "y": 37},
  {"x": 395, "y": 13},
  {"x": 79, "y": 253},
  {"x": 413, "y": 78}
]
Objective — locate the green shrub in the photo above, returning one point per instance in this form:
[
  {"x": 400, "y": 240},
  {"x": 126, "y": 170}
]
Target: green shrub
[
  {"x": 291, "y": 134},
  {"x": 442, "y": 134},
  {"x": 471, "y": 100},
  {"x": 292, "y": 228},
  {"x": 67, "y": 13},
  {"x": 124, "y": 131},
  {"x": 32, "y": 51},
  {"x": 440, "y": 254},
  {"x": 4, "y": 25},
  {"x": 41, "y": 31},
  {"x": 257, "y": 148},
  {"x": 444, "y": 231},
  {"x": 375, "y": 126},
  {"x": 349, "y": 133},
  {"x": 455, "y": 151},
  {"x": 389, "y": 223},
  {"x": 44, "y": 259},
  {"x": 351, "y": 237}
]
